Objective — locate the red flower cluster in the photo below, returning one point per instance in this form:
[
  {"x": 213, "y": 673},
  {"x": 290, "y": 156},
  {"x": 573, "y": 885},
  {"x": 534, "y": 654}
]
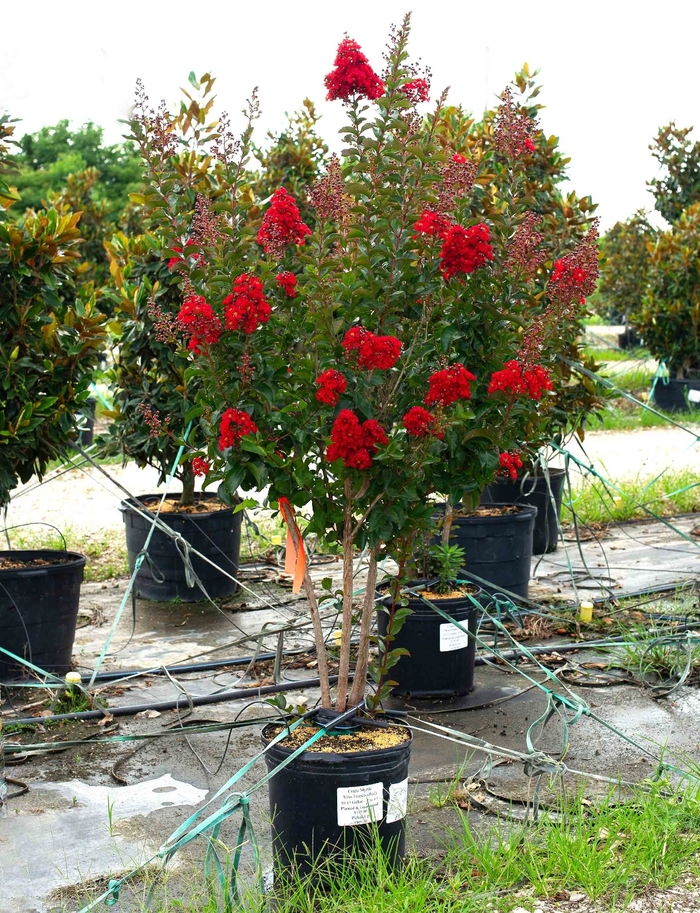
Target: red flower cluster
[
  {"x": 353, "y": 442},
  {"x": 420, "y": 423},
  {"x": 331, "y": 385},
  {"x": 449, "y": 385},
  {"x": 529, "y": 145},
  {"x": 288, "y": 283},
  {"x": 174, "y": 261},
  {"x": 513, "y": 379},
  {"x": 246, "y": 306},
  {"x": 200, "y": 467},
  {"x": 510, "y": 463},
  {"x": 197, "y": 319},
  {"x": 235, "y": 424},
  {"x": 465, "y": 249},
  {"x": 417, "y": 90},
  {"x": 352, "y": 74},
  {"x": 281, "y": 224},
  {"x": 381, "y": 352},
  {"x": 432, "y": 223}
]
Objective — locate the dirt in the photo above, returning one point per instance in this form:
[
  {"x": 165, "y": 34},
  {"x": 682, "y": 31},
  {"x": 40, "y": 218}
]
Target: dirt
[
  {"x": 367, "y": 738},
  {"x": 457, "y": 593},
  {"x": 488, "y": 511},
  {"x": 7, "y": 564},
  {"x": 172, "y": 505}
]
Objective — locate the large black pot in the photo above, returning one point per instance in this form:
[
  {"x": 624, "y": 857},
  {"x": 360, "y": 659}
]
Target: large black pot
[
  {"x": 536, "y": 491},
  {"x": 497, "y": 549},
  {"x": 328, "y": 804},
  {"x": 215, "y": 533},
  {"x": 673, "y": 395},
  {"x": 441, "y": 658},
  {"x": 39, "y": 611}
]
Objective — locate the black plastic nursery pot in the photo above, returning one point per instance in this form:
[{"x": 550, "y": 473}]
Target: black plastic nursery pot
[
  {"x": 441, "y": 657},
  {"x": 328, "y": 806},
  {"x": 674, "y": 395},
  {"x": 39, "y": 609},
  {"x": 536, "y": 491},
  {"x": 498, "y": 549},
  {"x": 162, "y": 578},
  {"x": 86, "y": 434}
]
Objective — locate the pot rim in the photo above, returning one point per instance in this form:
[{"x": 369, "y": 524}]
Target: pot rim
[
  {"x": 128, "y": 504},
  {"x": 79, "y": 560},
  {"x": 330, "y": 756}
]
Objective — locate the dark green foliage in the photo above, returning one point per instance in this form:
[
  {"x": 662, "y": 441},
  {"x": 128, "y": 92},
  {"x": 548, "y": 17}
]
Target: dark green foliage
[
  {"x": 679, "y": 158},
  {"x": 624, "y": 263}
]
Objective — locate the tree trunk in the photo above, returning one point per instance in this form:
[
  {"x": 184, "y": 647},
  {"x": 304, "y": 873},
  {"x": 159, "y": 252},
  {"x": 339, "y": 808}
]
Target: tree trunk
[{"x": 187, "y": 479}]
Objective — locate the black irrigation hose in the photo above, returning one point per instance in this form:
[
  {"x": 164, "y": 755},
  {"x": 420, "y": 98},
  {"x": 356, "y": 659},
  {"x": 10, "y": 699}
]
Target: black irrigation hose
[{"x": 181, "y": 702}]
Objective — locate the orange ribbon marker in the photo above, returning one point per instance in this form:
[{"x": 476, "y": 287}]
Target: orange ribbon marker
[{"x": 295, "y": 556}]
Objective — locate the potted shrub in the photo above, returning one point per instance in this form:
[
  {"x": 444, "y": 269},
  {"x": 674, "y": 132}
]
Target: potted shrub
[
  {"x": 49, "y": 346},
  {"x": 356, "y": 372},
  {"x": 152, "y": 397},
  {"x": 668, "y": 318}
]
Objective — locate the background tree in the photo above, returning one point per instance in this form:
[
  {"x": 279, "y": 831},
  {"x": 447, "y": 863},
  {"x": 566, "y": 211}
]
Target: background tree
[
  {"x": 624, "y": 264},
  {"x": 679, "y": 159}
]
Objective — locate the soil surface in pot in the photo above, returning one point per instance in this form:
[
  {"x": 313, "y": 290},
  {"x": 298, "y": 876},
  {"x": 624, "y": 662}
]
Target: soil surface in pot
[
  {"x": 489, "y": 511},
  {"x": 16, "y": 564},
  {"x": 366, "y": 738},
  {"x": 172, "y": 505},
  {"x": 457, "y": 593}
]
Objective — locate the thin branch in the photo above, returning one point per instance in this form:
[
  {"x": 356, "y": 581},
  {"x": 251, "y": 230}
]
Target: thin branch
[{"x": 358, "y": 686}]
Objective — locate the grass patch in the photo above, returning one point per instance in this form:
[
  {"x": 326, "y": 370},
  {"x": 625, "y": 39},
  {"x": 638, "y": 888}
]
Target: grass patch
[
  {"x": 613, "y": 853},
  {"x": 603, "y": 355},
  {"x": 674, "y": 493}
]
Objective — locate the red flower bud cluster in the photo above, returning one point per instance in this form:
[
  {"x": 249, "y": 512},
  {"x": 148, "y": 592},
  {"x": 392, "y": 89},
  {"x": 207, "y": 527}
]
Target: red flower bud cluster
[
  {"x": 200, "y": 467},
  {"x": 281, "y": 224},
  {"x": 197, "y": 319},
  {"x": 381, "y": 352},
  {"x": 246, "y": 307},
  {"x": 449, "y": 385},
  {"x": 513, "y": 129},
  {"x": 421, "y": 423},
  {"x": 513, "y": 379},
  {"x": 331, "y": 385},
  {"x": 525, "y": 255},
  {"x": 328, "y": 197},
  {"x": 352, "y": 74},
  {"x": 432, "y": 223},
  {"x": 235, "y": 424},
  {"x": 152, "y": 418},
  {"x": 575, "y": 274},
  {"x": 465, "y": 250},
  {"x": 458, "y": 176},
  {"x": 510, "y": 463},
  {"x": 417, "y": 90},
  {"x": 354, "y": 442},
  {"x": 288, "y": 283}
]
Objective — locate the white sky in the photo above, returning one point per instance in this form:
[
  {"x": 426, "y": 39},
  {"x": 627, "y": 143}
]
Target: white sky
[{"x": 613, "y": 72}]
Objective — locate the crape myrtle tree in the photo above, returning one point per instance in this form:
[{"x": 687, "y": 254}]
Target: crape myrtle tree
[{"x": 393, "y": 354}]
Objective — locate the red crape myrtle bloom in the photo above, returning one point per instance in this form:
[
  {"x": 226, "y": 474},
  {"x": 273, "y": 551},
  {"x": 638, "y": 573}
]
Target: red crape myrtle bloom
[
  {"x": 282, "y": 224},
  {"x": 459, "y": 158},
  {"x": 432, "y": 223},
  {"x": 200, "y": 467},
  {"x": 288, "y": 283},
  {"x": 352, "y": 75},
  {"x": 246, "y": 307},
  {"x": 513, "y": 379},
  {"x": 421, "y": 423},
  {"x": 449, "y": 385},
  {"x": 381, "y": 352},
  {"x": 417, "y": 90},
  {"x": 235, "y": 424},
  {"x": 465, "y": 249},
  {"x": 198, "y": 320},
  {"x": 331, "y": 385},
  {"x": 354, "y": 442},
  {"x": 510, "y": 463}
]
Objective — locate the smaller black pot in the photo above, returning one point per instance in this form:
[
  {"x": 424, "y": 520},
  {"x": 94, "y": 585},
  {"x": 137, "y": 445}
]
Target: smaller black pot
[
  {"x": 629, "y": 339},
  {"x": 534, "y": 491},
  {"x": 39, "y": 611},
  {"x": 323, "y": 804},
  {"x": 216, "y": 534},
  {"x": 441, "y": 657}
]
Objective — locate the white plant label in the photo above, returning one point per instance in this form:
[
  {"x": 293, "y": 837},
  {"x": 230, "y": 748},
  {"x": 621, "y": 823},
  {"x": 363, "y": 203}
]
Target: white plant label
[
  {"x": 360, "y": 804},
  {"x": 398, "y": 801},
  {"x": 694, "y": 396},
  {"x": 451, "y": 638}
]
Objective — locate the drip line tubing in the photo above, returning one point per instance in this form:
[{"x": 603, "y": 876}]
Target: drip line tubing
[{"x": 182, "y": 702}]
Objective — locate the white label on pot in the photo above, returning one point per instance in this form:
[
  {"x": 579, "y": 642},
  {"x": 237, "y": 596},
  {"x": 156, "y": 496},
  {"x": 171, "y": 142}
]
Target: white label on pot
[
  {"x": 451, "y": 638},
  {"x": 360, "y": 804},
  {"x": 398, "y": 801},
  {"x": 694, "y": 396}
]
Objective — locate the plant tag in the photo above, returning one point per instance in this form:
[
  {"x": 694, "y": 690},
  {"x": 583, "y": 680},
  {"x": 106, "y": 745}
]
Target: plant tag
[
  {"x": 360, "y": 804},
  {"x": 398, "y": 801},
  {"x": 694, "y": 396},
  {"x": 451, "y": 638}
]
